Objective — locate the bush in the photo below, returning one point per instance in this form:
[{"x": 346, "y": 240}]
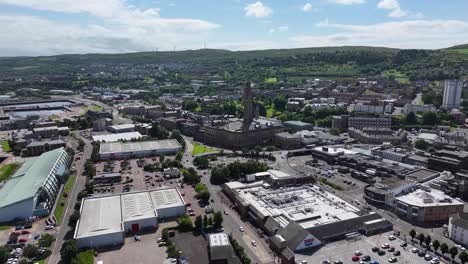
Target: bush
[{"x": 46, "y": 240}]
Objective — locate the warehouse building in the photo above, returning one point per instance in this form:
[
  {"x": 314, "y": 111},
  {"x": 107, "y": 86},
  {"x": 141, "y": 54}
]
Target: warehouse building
[
  {"x": 220, "y": 249},
  {"x": 127, "y": 136},
  {"x": 33, "y": 189},
  {"x": 105, "y": 220},
  {"x": 119, "y": 150}
]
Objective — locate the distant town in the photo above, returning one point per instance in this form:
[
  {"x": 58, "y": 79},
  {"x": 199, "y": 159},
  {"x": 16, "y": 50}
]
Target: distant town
[{"x": 222, "y": 169}]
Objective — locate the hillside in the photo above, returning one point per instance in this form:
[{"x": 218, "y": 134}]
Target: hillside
[{"x": 328, "y": 61}]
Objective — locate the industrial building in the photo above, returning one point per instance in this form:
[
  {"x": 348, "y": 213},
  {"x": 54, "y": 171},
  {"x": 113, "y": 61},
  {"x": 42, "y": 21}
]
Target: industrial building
[
  {"x": 33, "y": 189},
  {"x": 105, "y": 220},
  {"x": 120, "y": 150},
  {"x": 121, "y": 128},
  {"x": 299, "y": 217},
  {"x": 117, "y": 137},
  {"x": 220, "y": 249}
]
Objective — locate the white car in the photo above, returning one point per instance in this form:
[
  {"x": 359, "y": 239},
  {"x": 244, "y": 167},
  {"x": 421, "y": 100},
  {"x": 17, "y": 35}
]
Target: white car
[
  {"x": 435, "y": 261},
  {"x": 414, "y": 250},
  {"x": 241, "y": 229},
  {"x": 391, "y": 238},
  {"x": 254, "y": 243}
]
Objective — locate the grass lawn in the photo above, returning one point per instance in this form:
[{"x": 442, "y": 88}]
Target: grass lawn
[
  {"x": 42, "y": 261},
  {"x": 6, "y": 146},
  {"x": 199, "y": 149},
  {"x": 269, "y": 112},
  {"x": 4, "y": 227},
  {"x": 271, "y": 80},
  {"x": 96, "y": 108},
  {"x": 60, "y": 209},
  {"x": 7, "y": 170},
  {"x": 85, "y": 257}
]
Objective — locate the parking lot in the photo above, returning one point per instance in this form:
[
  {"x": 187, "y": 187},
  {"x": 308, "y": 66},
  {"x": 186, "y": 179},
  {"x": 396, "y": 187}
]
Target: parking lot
[
  {"x": 344, "y": 251},
  {"x": 144, "y": 251}
]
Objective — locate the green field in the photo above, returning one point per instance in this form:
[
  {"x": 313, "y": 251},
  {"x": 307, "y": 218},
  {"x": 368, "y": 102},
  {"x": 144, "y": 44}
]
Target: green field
[
  {"x": 7, "y": 170},
  {"x": 62, "y": 203},
  {"x": 199, "y": 149},
  {"x": 271, "y": 80},
  {"x": 6, "y": 146},
  {"x": 96, "y": 108},
  {"x": 4, "y": 227},
  {"x": 85, "y": 257}
]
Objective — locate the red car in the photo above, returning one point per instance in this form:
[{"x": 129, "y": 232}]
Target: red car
[
  {"x": 355, "y": 258},
  {"x": 23, "y": 240},
  {"x": 391, "y": 249},
  {"x": 25, "y": 232}
]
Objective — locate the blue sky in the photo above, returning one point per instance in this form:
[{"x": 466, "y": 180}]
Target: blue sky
[{"x": 47, "y": 27}]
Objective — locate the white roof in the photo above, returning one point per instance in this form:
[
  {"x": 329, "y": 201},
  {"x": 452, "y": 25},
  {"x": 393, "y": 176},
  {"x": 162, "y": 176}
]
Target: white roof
[
  {"x": 428, "y": 136},
  {"x": 305, "y": 204},
  {"x": 276, "y": 174},
  {"x": 219, "y": 239},
  {"x": 119, "y": 147},
  {"x": 137, "y": 206},
  {"x": 431, "y": 198},
  {"x": 117, "y": 136},
  {"x": 123, "y": 126},
  {"x": 166, "y": 198},
  {"x": 99, "y": 216},
  {"x": 106, "y": 214}
]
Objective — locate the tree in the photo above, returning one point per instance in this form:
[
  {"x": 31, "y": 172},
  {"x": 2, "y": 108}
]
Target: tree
[
  {"x": 429, "y": 118},
  {"x": 280, "y": 103},
  {"x": 74, "y": 217},
  {"x": 201, "y": 162},
  {"x": 13, "y": 238},
  {"x": 421, "y": 144},
  {"x": 190, "y": 176},
  {"x": 185, "y": 223},
  {"x": 158, "y": 132},
  {"x": 198, "y": 223},
  {"x": 217, "y": 219},
  {"x": 68, "y": 251},
  {"x": 444, "y": 248},
  {"x": 427, "y": 241},
  {"x": 411, "y": 119},
  {"x": 205, "y": 221},
  {"x": 210, "y": 220},
  {"x": 4, "y": 254},
  {"x": 412, "y": 234},
  {"x": 463, "y": 257},
  {"x": 436, "y": 245},
  {"x": 46, "y": 240},
  {"x": 453, "y": 252},
  {"x": 421, "y": 238},
  {"x": 30, "y": 251}
]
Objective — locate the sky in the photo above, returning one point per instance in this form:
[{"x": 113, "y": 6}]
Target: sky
[{"x": 50, "y": 27}]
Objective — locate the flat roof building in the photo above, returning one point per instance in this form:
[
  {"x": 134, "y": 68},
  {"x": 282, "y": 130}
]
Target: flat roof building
[
  {"x": 117, "y": 137},
  {"x": 119, "y": 150},
  {"x": 220, "y": 249},
  {"x": 105, "y": 220},
  {"x": 428, "y": 205}
]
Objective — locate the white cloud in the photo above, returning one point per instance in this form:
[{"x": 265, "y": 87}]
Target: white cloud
[
  {"x": 258, "y": 9},
  {"x": 278, "y": 29},
  {"x": 348, "y": 2},
  {"x": 120, "y": 28},
  {"x": 405, "y": 34},
  {"x": 307, "y": 7},
  {"x": 393, "y": 6}
]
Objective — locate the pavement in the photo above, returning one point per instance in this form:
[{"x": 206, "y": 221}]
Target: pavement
[
  {"x": 63, "y": 232},
  {"x": 232, "y": 222}
]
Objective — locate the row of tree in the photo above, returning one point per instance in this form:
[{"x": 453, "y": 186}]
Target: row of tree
[
  {"x": 436, "y": 245},
  {"x": 233, "y": 171}
]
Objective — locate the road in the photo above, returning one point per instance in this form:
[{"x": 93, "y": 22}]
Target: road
[
  {"x": 80, "y": 181},
  {"x": 232, "y": 222}
]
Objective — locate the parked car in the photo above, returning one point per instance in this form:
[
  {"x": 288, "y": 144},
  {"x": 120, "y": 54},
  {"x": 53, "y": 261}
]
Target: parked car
[
  {"x": 392, "y": 260},
  {"x": 254, "y": 243}
]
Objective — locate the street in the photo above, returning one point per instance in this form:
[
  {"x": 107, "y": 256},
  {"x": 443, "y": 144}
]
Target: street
[{"x": 63, "y": 231}]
